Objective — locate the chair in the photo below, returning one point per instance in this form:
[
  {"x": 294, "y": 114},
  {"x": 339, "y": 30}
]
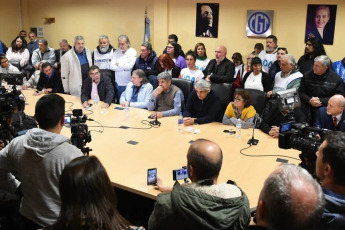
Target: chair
[
  {"x": 186, "y": 87},
  {"x": 223, "y": 90},
  {"x": 257, "y": 99},
  {"x": 110, "y": 74}
]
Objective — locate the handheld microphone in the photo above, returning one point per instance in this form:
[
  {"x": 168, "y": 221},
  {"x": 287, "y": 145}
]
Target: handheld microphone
[{"x": 253, "y": 141}]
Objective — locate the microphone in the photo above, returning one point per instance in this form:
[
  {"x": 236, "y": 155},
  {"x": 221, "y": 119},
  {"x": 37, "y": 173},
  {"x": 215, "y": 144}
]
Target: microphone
[
  {"x": 155, "y": 122},
  {"x": 253, "y": 141}
]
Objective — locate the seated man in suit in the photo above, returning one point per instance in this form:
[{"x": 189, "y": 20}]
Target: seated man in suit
[
  {"x": 204, "y": 203},
  {"x": 50, "y": 80},
  {"x": 332, "y": 116},
  {"x": 97, "y": 86},
  {"x": 203, "y": 105},
  {"x": 167, "y": 99}
]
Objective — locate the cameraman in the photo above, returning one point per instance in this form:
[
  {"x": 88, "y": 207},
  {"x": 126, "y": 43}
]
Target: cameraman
[
  {"x": 330, "y": 169},
  {"x": 272, "y": 118},
  {"x": 39, "y": 157}
]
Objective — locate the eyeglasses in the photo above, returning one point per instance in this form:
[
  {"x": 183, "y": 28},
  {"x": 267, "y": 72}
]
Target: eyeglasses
[
  {"x": 170, "y": 47},
  {"x": 237, "y": 99}
]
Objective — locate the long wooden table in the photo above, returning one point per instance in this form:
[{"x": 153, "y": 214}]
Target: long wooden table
[{"x": 165, "y": 148}]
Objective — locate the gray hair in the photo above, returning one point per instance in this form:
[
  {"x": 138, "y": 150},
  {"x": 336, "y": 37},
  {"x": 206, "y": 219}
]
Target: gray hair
[
  {"x": 45, "y": 42},
  {"x": 290, "y": 59},
  {"x": 324, "y": 60},
  {"x": 283, "y": 209},
  {"x": 103, "y": 37},
  {"x": 141, "y": 74},
  {"x": 165, "y": 76},
  {"x": 147, "y": 45},
  {"x": 124, "y": 37},
  {"x": 203, "y": 85},
  {"x": 63, "y": 41},
  {"x": 78, "y": 37}
]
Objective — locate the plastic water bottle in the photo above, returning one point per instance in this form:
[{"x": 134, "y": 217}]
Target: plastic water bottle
[
  {"x": 180, "y": 122},
  {"x": 95, "y": 100},
  {"x": 127, "y": 111},
  {"x": 238, "y": 128}
]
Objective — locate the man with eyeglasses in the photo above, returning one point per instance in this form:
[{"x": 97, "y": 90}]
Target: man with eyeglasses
[
  {"x": 33, "y": 44},
  {"x": 6, "y": 66},
  {"x": 97, "y": 86}
]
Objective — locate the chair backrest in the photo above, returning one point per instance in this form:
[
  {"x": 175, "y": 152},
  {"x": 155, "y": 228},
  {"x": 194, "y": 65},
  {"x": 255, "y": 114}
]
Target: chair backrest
[
  {"x": 223, "y": 90},
  {"x": 257, "y": 99},
  {"x": 186, "y": 87},
  {"x": 110, "y": 74}
]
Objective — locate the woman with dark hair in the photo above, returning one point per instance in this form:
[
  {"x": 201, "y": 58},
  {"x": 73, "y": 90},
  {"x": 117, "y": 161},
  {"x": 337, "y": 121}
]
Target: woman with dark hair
[
  {"x": 201, "y": 56},
  {"x": 88, "y": 200},
  {"x": 18, "y": 52},
  {"x": 166, "y": 64},
  {"x": 173, "y": 50},
  {"x": 257, "y": 79},
  {"x": 240, "y": 109},
  {"x": 313, "y": 48},
  {"x": 191, "y": 72}
]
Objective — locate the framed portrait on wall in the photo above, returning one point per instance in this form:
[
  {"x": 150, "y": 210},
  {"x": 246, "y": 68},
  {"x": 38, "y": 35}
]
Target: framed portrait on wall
[
  {"x": 321, "y": 23},
  {"x": 207, "y": 20}
]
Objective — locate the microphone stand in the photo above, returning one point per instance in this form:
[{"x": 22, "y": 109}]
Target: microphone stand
[
  {"x": 155, "y": 122},
  {"x": 253, "y": 141}
]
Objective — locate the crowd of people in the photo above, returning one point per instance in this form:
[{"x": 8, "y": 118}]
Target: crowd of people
[{"x": 290, "y": 198}]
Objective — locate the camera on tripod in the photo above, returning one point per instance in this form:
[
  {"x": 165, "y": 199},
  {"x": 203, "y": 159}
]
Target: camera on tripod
[{"x": 80, "y": 134}]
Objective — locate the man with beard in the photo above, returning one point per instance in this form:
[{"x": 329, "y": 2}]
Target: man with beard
[
  {"x": 269, "y": 56},
  {"x": 103, "y": 53}
]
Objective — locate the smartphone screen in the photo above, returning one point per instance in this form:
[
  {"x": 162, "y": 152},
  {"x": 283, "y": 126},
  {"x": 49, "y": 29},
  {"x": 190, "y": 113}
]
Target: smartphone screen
[
  {"x": 180, "y": 174},
  {"x": 151, "y": 176},
  {"x": 67, "y": 119}
]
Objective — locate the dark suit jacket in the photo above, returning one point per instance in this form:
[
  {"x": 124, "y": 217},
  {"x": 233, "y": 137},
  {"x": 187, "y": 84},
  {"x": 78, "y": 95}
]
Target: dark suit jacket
[
  {"x": 55, "y": 82},
  {"x": 325, "y": 121},
  {"x": 105, "y": 90}
]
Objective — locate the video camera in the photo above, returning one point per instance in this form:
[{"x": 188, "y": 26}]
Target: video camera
[
  {"x": 10, "y": 103},
  {"x": 80, "y": 134},
  {"x": 302, "y": 137}
]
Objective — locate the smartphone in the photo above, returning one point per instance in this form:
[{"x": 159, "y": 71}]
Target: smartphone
[
  {"x": 67, "y": 119},
  {"x": 151, "y": 176},
  {"x": 180, "y": 174}
]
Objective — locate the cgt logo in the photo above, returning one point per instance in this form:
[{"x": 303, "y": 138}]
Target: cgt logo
[{"x": 259, "y": 23}]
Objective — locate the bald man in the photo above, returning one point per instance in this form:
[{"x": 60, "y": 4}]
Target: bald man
[
  {"x": 332, "y": 116},
  {"x": 220, "y": 69},
  {"x": 202, "y": 204},
  {"x": 290, "y": 199}
]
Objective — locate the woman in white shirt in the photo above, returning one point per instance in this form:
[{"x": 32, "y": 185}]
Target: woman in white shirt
[
  {"x": 191, "y": 72},
  {"x": 201, "y": 56},
  {"x": 257, "y": 79},
  {"x": 18, "y": 52}
]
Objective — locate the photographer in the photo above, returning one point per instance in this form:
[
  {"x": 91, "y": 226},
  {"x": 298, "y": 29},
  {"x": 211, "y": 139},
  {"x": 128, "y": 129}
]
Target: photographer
[
  {"x": 39, "y": 157},
  {"x": 224, "y": 205},
  {"x": 330, "y": 169}
]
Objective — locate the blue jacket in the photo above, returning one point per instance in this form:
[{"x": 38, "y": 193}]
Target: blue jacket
[
  {"x": 144, "y": 95},
  {"x": 325, "y": 121},
  {"x": 204, "y": 111},
  {"x": 334, "y": 213},
  {"x": 339, "y": 69},
  {"x": 149, "y": 66}
]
